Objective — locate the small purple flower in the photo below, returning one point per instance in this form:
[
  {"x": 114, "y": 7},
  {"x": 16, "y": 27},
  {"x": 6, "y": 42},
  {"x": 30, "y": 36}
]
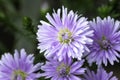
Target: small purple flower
[
  {"x": 66, "y": 33},
  {"x": 106, "y": 41},
  {"x": 63, "y": 70},
  {"x": 18, "y": 67},
  {"x": 100, "y": 75}
]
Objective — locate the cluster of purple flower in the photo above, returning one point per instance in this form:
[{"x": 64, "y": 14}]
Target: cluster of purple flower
[
  {"x": 68, "y": 36},
  {"x": 18, "y": 67}
]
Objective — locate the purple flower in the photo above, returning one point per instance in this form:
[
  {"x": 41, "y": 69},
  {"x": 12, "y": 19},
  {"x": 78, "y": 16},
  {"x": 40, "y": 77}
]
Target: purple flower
[
  {"x": 63, "y": 70},
  {"x": 18, "y": 67},
  {"x": 106, "y": 41},
  {"x": 100, "y": 75},
  {"x": 66, "y": 33}
]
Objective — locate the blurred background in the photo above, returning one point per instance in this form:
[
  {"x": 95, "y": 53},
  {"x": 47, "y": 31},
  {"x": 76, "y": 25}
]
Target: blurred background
[{"x": 19, "y": 20}]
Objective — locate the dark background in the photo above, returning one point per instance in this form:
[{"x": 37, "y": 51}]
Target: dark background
[{"x": 19, "y": 20}]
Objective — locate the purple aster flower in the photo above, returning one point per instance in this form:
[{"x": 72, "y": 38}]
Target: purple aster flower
[
  {"x": 18, "y": 67},
  {"x": 66, "y": 33},
  {"x": 106, "y": 41},
  {"x": 100, "y": 75},
  {"x": 63, "y": 70}
]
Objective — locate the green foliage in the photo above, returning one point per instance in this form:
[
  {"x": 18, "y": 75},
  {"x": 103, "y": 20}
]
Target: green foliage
[
  {"x": 104, "y": 10},
  {"x": 108, "y": 9},
  {"x": 27, "y": 23}
]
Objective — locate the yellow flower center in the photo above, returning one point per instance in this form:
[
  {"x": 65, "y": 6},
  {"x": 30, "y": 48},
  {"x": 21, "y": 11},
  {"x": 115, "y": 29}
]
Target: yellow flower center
[
  {"x": 65, "y": 36},
  {"x": 63, "y": 70},
  {"x": 104, "y": 43},
  {"x": 17, "y": 73}
]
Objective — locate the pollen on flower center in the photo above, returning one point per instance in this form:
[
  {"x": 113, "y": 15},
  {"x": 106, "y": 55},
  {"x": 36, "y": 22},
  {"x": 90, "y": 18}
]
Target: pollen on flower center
[
  {"x": 17, "y": 73},
  {"x": 104, "y": 43},
  {"x": 63, "y": 70},
  {"x": 65, "y": 36}
]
